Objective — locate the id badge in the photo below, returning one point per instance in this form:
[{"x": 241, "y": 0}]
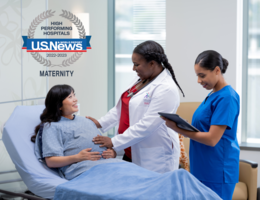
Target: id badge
[{"x": 147, "y": 99}]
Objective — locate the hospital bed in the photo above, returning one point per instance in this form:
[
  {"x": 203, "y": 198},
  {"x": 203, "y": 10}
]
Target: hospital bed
[
  {"x": 16, "y": 137},
  {"x": 44, "y": 181}
]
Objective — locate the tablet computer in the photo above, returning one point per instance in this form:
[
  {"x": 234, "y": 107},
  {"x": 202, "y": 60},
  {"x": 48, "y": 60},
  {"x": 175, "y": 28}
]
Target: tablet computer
[{"x": 181, "y": 123}]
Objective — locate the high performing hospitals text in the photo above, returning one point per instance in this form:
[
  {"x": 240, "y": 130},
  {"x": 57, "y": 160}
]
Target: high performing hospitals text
[{"x": 56, "y": 73}]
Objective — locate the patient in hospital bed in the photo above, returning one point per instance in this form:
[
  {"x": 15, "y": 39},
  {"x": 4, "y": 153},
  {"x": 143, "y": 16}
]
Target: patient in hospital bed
[{"x": 63, "y": 140}]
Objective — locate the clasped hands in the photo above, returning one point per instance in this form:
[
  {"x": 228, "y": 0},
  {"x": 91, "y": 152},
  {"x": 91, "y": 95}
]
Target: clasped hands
[
  {"x": 104, "y": 141},
  {"x": 86, "y": 154}
]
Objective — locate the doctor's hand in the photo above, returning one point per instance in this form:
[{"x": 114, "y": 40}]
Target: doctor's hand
[
  {"x": 103, "y": 140},
  {"x": 95, "y": 121},
  {"x": 86, "y": 154},
  {"x": 109, "y": 153}
]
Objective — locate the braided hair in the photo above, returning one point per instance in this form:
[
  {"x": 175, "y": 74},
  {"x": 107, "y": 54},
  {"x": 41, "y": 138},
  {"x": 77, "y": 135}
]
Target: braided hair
[{"x": 151, "y": 50}]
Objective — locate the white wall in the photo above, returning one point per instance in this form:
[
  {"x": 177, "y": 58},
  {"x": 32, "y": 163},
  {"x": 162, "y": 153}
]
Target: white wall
[
  {"x": 195, "y": 26},
  {"x": 90, "y": 71},
  {"x": 20, "y": 83}
]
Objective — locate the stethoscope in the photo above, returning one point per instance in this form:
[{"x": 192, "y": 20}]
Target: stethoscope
[{"x": 130, "y": 94}]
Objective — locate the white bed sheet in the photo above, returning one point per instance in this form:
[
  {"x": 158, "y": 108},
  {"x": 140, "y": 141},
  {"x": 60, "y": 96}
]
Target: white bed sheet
[{"x": 17, "y": 132}]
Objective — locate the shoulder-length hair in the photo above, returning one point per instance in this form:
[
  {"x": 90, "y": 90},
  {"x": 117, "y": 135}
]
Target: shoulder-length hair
[{"x": 53, "y": 103}]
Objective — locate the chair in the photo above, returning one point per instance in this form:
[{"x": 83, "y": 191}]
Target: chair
[
  {"x": 186, "y": 110},
  {"x": 246, "y": 188}
]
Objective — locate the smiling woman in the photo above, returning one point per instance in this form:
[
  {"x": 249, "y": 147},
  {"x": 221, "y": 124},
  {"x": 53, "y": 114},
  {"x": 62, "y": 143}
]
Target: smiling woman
[
  {"x": 214, "y": 150},
  {"x": 150, "y": 52},
  {"x": 142, "y": 134},
  {"x": 69, "y": 106},
  {"x": 64, "y": 140},
  {"x": 209, "y": 67}
]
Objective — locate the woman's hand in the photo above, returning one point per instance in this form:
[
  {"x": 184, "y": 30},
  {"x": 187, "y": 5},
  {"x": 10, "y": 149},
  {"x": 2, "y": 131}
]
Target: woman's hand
[
  {"x": 85, "y": 154},
  {"x": 109, "y": 153},
  {"x": 171, "y": 124},
  {"x": 103, "y": 140},
  {"x": 61, "y": 161},
  {"x": 210, "y": 138},
  {"x": 95, "y": 121}
]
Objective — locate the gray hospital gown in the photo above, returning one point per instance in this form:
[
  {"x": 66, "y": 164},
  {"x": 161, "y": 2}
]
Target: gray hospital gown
[{"x": 68, "y": 137}]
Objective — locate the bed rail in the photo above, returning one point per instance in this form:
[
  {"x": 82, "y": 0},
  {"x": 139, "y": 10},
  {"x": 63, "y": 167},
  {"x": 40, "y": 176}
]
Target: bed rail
[{"x": 16, "y": 194}]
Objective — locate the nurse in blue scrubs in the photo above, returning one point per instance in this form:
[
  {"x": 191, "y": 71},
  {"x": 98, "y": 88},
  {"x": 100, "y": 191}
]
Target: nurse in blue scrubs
[{"x": 214, "y": 152}]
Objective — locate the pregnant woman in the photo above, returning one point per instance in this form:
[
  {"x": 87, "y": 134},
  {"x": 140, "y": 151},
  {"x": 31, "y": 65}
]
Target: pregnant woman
[{"x": 64, "y": 140}]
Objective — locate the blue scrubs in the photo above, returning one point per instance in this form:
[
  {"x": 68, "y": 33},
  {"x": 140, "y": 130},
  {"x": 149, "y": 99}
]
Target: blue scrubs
[{"x": 217, "y": 167}]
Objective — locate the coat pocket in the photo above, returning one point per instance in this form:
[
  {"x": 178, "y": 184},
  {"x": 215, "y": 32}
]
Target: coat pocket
[{"x": 153, "y": 159}]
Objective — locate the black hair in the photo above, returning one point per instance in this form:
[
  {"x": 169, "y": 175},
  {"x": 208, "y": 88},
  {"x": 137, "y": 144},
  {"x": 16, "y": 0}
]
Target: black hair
[
  {"x": 211, "y": 59},
  {"x": 151, "y": 50},
  {"x": 53, "y": 103}
]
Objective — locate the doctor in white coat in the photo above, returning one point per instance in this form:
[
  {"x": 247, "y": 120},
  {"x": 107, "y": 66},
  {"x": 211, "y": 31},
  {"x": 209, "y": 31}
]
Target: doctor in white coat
[{"x": 142, "y": 133}]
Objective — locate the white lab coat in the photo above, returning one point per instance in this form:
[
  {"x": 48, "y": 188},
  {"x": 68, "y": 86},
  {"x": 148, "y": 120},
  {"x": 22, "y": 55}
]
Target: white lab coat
[{"x": 154, "y": 146}]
